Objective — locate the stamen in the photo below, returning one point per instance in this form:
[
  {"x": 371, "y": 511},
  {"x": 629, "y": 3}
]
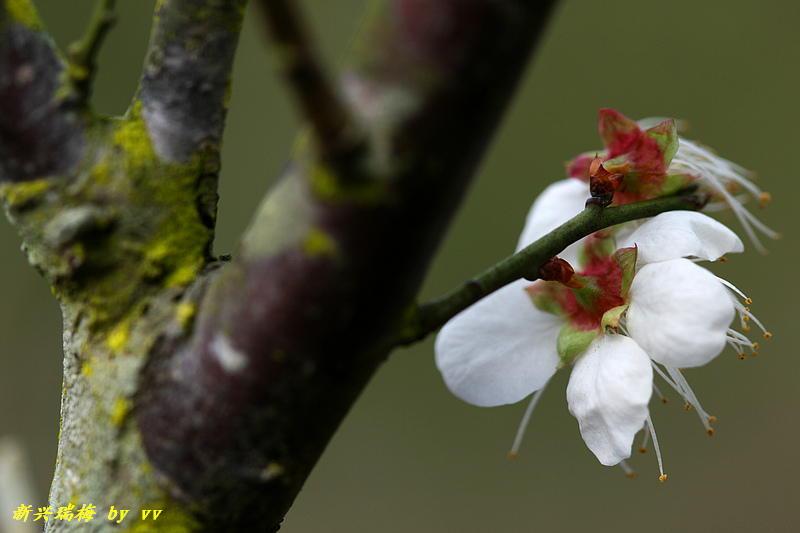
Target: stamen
[
  {"x": 664, "y": 399},
  {"x": 665, "y": 378},
  {"x": 524, "y": 424},
  {"x": 688, "y": 394},
  {"x": 630, "y": 472},
  {"x": 643, "y": 447},
  {"x": 681, "y": 386},
  {"x": 737, "y": 340},
  {"x": 723, "y": 177},
  {"x": 652, "y": 429},
  {"x": 732, "y": 287}
]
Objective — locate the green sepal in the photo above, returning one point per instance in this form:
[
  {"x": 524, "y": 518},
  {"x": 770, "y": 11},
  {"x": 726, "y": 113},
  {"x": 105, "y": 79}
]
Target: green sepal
[
  {"x": 572, "y": 342},
  {"x": 666, "y": 137},
  {"x": 625, "y": 258},
  {"x": 548, "y": 296},
  {"x": 612, "y": 317},
  {"x": 674, "y": 182}
]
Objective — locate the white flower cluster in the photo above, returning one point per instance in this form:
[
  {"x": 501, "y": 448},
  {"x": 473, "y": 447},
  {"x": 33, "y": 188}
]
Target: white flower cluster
[{"x": 657, "y": 315}]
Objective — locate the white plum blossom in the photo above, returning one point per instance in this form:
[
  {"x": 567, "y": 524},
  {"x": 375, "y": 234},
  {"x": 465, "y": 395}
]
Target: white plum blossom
[
  {"x": 645, "y": 304},
  {"x": 656, "y": 161}
]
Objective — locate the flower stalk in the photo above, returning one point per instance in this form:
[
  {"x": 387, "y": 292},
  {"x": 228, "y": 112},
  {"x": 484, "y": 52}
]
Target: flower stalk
[{"x": 428, "y": 317}]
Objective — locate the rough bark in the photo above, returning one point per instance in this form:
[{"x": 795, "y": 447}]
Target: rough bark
[{"x": 210, "y": 389}]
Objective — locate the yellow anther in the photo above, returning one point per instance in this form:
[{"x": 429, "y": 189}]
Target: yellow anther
[
  {"x": 631, "y": 475},
  {"x": 745, "y": 318},
  {"x": 664, "y": 400},
  {"x": 767, "y": 335},
  {"x": 755, "y": 346},
  {"x": 747, "y": 309},
  {"x": 754, "y": 354},
  {"x": 710, "y": 432},
  {"x": 712, "y": 419},
  {"x": 749, "y": 301},
  {"x": 723, "y": 259},
  {"x": 512, "y": 455},
  {"x": 662, "y": 478},
  {"x": 742, "y": 356},
  {"x": 687, "y": 407},
  {"x": 745, "y": 328},
  {"x": 764, "y": 200},
  {"x": 642, "y": 450}
]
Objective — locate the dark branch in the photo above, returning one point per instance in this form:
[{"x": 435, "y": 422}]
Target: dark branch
[
  {"x": 292, "y": 329},
  {"x": 83, "y": 53},
  {"x": 187, "y": 74},
  {"x": 41, "y": 133},
  {"x": 303, "y": 69}
]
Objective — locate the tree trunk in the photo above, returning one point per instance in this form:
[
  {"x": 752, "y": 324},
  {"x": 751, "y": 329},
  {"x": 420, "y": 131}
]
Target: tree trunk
[{"x": 205, "y": 388}]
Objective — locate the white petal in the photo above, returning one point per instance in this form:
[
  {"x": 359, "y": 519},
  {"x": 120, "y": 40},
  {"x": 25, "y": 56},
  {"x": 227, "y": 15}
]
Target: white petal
[
  {"x": 500, "y": 349},
  {"x": 558, "y": 203},
  {"x": 677, "y": 234},
  {"x": 608, "y": 393},
  {"x": 679, "y": 313}
]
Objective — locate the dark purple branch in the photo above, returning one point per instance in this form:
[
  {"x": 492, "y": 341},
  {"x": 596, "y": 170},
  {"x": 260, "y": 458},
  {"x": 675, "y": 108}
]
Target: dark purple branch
[
  {"x": 83, "y": 53},
  {"x": 187, "y": 74},
  {"x": 290, "y": 332},
  {"x": 309, "y": 82},
  {"x": 41, "y": 134}
]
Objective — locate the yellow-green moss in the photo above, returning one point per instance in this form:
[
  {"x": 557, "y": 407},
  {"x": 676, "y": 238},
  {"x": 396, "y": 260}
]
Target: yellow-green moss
[
  {"x": 118, "y": 337},
  {"x": 318, "y": 242},
  {"x": 154, "y": 256},
  {"x": 184, "y": 274},
  {"x": 166, "y": 243},
  {"x": 131, "y": 135},
  {"x": 323, "y": 181},
  {"x": 184, "y": 314},
  {"x": 101, "y": 173},
  {"x": 23, "y": 11},
  {"x": 176, "y": 248},
  {"x": 328, "y": 186},
  {"x": 122, "y": 407},
  {"x": 19, "y": 195}
]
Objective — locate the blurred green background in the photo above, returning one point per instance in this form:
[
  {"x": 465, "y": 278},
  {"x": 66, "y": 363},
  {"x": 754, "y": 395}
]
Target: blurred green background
[{"x": 412, "y": 457}]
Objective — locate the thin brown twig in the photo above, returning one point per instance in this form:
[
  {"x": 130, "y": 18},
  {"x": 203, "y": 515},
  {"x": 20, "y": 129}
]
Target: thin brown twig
[
  {"x": 300, "y": 64},
  {"x": 83, "y": 53}
]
